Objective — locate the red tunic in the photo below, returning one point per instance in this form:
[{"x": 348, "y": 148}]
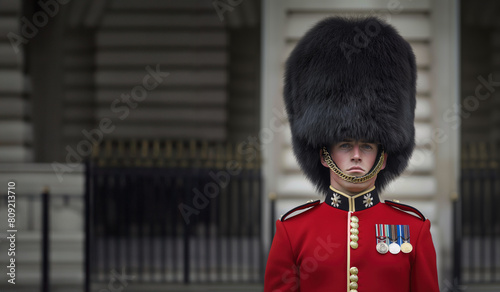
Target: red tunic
[{"x": 312, "y": 251}]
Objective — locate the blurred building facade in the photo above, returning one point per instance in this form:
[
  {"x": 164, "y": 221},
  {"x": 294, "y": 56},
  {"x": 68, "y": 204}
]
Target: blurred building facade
[{"x": 215, "y": 70}]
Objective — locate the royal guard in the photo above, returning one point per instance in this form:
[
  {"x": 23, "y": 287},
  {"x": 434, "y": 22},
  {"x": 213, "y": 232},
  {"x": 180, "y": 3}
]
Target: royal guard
[{"x": 350, "y": 89}]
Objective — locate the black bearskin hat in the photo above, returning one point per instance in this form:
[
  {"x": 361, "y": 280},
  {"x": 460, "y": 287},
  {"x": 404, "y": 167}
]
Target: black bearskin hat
[{"x": 351, "y": 78}]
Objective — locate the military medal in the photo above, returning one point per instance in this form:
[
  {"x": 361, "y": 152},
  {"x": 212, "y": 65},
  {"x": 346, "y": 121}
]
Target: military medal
[
  {"x": 406, "y": 246},
  {"x": 394, "y": 247},
  {"x": 382, "y": 247}
]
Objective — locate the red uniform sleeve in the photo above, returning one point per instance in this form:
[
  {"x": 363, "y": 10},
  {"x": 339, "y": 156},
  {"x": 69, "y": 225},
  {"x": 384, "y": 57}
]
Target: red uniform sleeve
[
  {"x": 424, "y": 271},
  {"x": 281, "y": 270}
]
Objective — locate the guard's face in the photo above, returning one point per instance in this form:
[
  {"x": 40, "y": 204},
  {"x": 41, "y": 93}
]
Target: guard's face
[{"x": 353, "y": 157}]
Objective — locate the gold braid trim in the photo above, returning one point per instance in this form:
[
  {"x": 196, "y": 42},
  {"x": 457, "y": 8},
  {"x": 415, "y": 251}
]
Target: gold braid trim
[{"x": 352, "y": 178}]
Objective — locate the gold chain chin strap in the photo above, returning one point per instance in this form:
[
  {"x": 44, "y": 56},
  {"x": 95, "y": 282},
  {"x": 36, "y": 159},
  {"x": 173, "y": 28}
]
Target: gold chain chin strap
[{"x": 352, "y": 178}]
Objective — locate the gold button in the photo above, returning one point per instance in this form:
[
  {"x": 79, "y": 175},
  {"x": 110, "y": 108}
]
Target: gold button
[
  {"x": 353, "y": 278},
  {"x": 353, "y": 271},
  {"x": 353, "y": 285},
  {"x": 354, "y": 231},
  {"x": 353, "y": 244},
  {"x": 354, "y": 237},
  {"x": 354, "y": 225},
  {"x": 354, "y": 219}
]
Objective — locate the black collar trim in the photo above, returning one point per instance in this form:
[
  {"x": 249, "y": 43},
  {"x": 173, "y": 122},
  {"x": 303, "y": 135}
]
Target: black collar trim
[{"x": 358, "y": 202}]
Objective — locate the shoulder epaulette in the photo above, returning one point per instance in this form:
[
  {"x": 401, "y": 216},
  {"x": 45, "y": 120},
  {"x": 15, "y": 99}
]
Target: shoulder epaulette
[
  {"x": 309, "y": 204},
  {"x": 404, "y": 207}
]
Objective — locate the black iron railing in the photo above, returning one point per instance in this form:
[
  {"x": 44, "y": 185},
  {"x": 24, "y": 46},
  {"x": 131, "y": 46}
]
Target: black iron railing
[
  {"x": 477, "y": 217},
  {"x": 174, "y": 213},
  {"x": 38, "y": 209}
]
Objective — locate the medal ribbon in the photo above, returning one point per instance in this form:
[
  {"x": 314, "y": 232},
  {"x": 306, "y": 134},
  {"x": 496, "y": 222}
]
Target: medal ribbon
[
  {"x": 380, "y": 232},
  {"x": 400, "y": 234},
  {"x": 394, "y": 234},
  {"x": 387, "y": 234},
  {"x": 406, "y": 233}
]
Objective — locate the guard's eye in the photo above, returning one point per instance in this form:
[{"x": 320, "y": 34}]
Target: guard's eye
[
  {"x": 345, "y": 146},
  {"x": 367, "y": 147}
]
